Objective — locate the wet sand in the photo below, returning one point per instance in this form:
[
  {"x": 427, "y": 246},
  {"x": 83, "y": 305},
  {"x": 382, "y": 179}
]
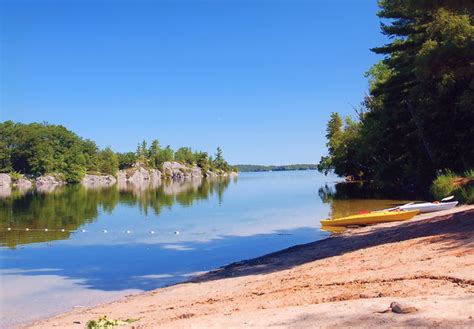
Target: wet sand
[{"x": 347, "y": 280}]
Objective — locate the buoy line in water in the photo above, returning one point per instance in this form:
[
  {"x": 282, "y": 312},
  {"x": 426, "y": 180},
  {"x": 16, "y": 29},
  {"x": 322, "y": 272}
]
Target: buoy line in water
[{"x": 62, "y": 230}]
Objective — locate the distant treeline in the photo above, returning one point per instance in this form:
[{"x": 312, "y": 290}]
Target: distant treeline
[
  {"x": 40, "y": 148},
  {"x": 249, "y": 168}
]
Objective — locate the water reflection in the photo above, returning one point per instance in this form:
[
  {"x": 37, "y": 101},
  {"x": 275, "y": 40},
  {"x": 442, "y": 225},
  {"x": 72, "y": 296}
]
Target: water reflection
[
  {"x": 356, "y": 198},
  {"x": 63, "y": 210}
]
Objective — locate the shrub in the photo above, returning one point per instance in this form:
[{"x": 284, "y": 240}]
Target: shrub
[
  {"x": 469, "y": 174},
  {"x": 467, "y": 194},
  {"x": 443, "y": 185}
]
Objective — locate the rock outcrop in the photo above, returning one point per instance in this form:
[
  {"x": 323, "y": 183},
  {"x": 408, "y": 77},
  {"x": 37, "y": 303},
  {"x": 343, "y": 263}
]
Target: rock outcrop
[
  {"x": 23, "y": 184},
  {"x": 5, "y": 180},
  {"x": 48, "y": 183},
  {"x": 138, "y": 176},
  {"x": 49, "y": 180},
  {"x": 5, "y": 185},
  {"x": 94, "y": 181},
  {"x": 177, "y": 171},
  {"x": 213, "y": 174}
]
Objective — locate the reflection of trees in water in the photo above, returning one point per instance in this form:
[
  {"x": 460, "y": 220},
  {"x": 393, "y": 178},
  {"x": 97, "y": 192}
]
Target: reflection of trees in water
[
  {"x": 361, "y": 190},
  {"x": 70, "y": 207},
  {"x": 352, "y": 198}
]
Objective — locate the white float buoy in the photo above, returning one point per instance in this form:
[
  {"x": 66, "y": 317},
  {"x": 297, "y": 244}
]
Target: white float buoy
[
  {"x": 46, "y": 230},
  {"x": 105, "y": 231},
  {"x": 62, "y": 230},
  {"x": 83, "y": 230},
  {"x": 152, "y": 232},
  {"x": 128, "y": 231},
  {"x": 176, "y": 232},
  {"x": 27, "y": 229},
  {"x": 9, "y": 229}
]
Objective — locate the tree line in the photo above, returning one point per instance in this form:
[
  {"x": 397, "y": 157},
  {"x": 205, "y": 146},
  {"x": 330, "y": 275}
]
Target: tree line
[
  {"x": 258, "y": 168},
  {"x": 40, "y": 148},
  {"x": 417, "y": 119}
]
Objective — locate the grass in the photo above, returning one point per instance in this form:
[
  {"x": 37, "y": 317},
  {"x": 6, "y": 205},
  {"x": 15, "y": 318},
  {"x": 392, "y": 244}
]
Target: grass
[
  {"x": 443, "y": 185},
  {"x": 467, "y": 194},
  {"x": 15, "y": 176},
  {"x": 469, "y": 174},
  {"x": 449, "y": 183}
]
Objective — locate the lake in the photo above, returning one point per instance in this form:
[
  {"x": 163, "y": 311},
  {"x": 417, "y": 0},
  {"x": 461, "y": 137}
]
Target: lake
[{"x": 74, "y": 247}]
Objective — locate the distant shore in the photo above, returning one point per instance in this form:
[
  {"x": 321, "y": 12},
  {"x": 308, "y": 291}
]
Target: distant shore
[
  {"x": 347, "y": 280},
  {"x": 260, "y": 168}
]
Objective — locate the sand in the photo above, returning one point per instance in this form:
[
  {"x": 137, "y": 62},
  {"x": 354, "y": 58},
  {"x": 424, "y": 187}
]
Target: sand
[{"x": 346, "y": 280}]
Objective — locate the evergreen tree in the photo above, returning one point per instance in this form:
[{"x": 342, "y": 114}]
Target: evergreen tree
[
  {"x": 154, "y": 153},
  {"x": 418, "y": 116}
]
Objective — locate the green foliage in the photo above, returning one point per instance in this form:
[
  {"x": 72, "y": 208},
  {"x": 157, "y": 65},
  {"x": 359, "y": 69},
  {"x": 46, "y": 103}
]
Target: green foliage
[
  {"x": 108, "y": 161},
  {"x": 418, "y": 116},
  {"x": 15, "y": 175},
  {"x": 5, "y": 161},
  {"x": 443, "y": 185},
  {"x": 449, "y": 183},
  {"x": 126, "y": 160},
  {"x": 467, "y": 194},
  {"x": 38, "y": 149},
  {"x": 469, "y": 174},
  {"x": 164, "y": 155},
  {"x": 185, "y": 155},
  {"x": 154, "y": 154},
  {"x": 219, "y": 162},
  {"x": 202, "y": 161},
  {"x": 142, "y": 152},
  {"x": 105, "y": 322},
  {"x": 342, "y": 144}
]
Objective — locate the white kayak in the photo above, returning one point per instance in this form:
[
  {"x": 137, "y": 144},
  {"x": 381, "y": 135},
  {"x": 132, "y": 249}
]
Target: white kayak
[{"x": 429, "y": 206}]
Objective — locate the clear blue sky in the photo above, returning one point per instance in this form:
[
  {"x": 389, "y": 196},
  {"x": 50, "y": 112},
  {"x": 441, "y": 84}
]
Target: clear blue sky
[{"x": 258, "y": 78}]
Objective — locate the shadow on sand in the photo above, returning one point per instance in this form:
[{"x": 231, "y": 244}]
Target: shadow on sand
[{"x": 454, "y": 230}]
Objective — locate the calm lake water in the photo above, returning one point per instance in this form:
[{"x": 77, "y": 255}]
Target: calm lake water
[{"x": 106, "y": 243}]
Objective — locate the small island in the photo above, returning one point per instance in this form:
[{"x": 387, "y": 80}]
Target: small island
[{"x": 43, "y": 155}]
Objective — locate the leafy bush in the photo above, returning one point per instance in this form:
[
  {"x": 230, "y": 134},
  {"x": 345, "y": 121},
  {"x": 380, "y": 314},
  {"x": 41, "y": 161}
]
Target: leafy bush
[
  {"x": 469, "y": 174},
  {"x": 462, "y": 187},
  {"x": 443, "y": 185},
  {"x": 15, "y": 175},
  {"x": 467, "y": 194}
]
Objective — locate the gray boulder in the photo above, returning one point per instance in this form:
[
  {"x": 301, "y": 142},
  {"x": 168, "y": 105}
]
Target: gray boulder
[
  {"x": 49, "y": 180},
  {"x": 23, "y": 184},
  {"x": 5, "y": 180},
  {"x": 93, "y": 181}
]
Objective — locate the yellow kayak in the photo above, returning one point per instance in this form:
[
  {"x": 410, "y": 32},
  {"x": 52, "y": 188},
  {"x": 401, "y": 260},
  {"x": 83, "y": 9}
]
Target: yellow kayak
[{"x": 371, "y": 218}]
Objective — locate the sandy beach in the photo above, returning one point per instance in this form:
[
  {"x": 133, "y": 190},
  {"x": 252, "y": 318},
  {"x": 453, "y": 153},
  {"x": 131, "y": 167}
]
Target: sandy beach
[{"x": 426, "y": 264}]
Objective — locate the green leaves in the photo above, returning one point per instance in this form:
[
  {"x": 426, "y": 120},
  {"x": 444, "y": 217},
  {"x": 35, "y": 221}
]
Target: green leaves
[
  {"x": 418, "y": 116},
  {"x": 38, "y": 149}
]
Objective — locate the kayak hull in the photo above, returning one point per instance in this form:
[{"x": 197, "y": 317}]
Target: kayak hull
[
  {"x": 371, "y": 218},
  {"x": 429, "y": 206}
]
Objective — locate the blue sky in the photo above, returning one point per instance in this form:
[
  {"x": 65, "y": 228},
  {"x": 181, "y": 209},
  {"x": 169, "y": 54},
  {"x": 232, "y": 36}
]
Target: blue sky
[{"x": 258, "y": 78}]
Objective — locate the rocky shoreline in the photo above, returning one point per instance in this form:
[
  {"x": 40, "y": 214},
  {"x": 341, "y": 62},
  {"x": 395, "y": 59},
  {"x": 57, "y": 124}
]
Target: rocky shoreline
[{"x": 137, "y": 175}]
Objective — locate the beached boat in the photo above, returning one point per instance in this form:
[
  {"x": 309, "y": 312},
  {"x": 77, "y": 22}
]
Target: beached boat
[
  {"x": 371, "y": 218},
  {"x": 429, "y": 206}
]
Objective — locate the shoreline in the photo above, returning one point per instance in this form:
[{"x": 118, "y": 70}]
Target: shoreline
[{"x": 430, "y": 265}]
